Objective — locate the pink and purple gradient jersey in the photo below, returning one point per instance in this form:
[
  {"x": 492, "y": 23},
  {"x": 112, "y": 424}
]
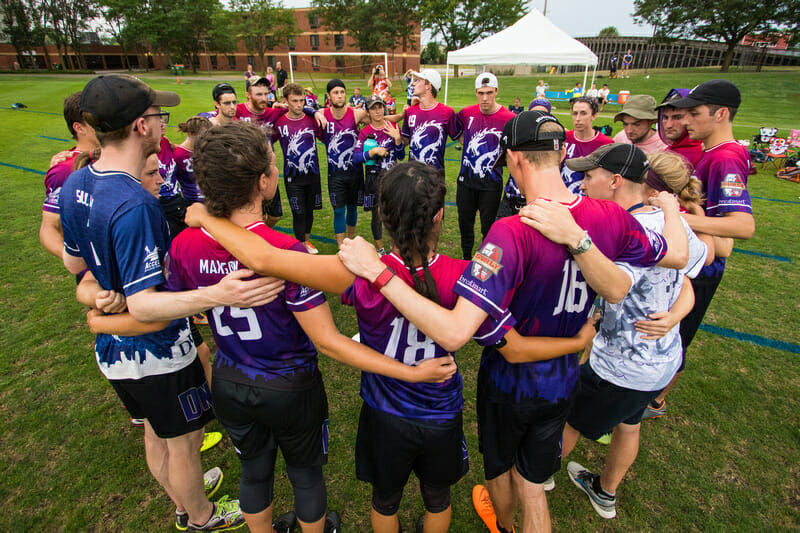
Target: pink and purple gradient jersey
[
  {"x": 481, "y": 147},
  {"x": 298, "y": 138},
  {"x": 340, "y": 137},
  {"x": 184, "y": 173},
  {"x": 518, "y": 269},
  {"x": 261, "y": 346},
  {"x": 264, "y": 120},
  {"x": 396, "y": 152},
  {"x": 166, "y": 167},
  {"x": 385, "y": 330},
  {"x": 54, "y": 180},
  {"x": 723, "y": 170},
  {"x": 579, "y": 148},
  {"x": 427, "y": 131}
]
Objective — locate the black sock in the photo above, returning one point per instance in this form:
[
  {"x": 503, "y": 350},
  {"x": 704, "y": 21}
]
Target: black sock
[
  {"x": 500, "y": 528},
  {"x": 599, "y": 490}
]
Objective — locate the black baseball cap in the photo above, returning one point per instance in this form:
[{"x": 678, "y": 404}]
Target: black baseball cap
[
  {"x": 112, "y": 102},
  {"x": 334, "y": 83},
  {"x": 522, "y": 133},
  {"x": 715, "y": 92},
  {"x": 372, "y": 100},
  {"x": 222, "y": 88},
  {"x": 626, "y": 160}
]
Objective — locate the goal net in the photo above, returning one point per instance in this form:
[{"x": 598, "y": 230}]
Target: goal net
[{"x": 333, "y": 63}]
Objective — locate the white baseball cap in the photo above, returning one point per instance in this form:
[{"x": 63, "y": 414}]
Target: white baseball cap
[
  {"x": 485, "y": 79},
  {"x": 431, "y": 76}
]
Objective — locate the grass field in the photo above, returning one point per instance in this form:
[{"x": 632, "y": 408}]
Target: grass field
[{"x": 726, "y": 457}]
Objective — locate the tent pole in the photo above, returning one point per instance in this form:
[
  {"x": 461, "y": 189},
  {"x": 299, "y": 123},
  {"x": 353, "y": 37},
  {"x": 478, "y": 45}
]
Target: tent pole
[
  {"x": 594, "y": 72},
  {"x": 446, "y": 80},
  {"x": 585, "y": 75}
]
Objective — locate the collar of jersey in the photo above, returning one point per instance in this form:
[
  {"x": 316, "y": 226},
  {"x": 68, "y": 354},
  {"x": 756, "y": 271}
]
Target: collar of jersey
[
  {"x": 103, "y": 173},
  {"x": 400, "y": 260}
]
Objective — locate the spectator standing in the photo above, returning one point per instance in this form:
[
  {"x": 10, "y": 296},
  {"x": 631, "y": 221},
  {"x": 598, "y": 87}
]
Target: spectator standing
[
  {"x": 627, "y": 59},
  {"x": 280, "y": 79}
]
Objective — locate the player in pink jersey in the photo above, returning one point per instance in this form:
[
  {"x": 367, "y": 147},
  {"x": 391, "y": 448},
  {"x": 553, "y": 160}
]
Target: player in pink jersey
[
  {"x": 582, "y": 140},
  {"x": 672, "y": 128},
  {"x": 638, "y": 116},
  {"x": 428, "y": 124},
  {"x": 480, "y": 185},
  {"x": 723, "y": 171},
  {"x": 50, "y": 233}
]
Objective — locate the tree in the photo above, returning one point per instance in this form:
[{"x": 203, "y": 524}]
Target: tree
[
  {"x": 17, "y": 26},
  {"x": 722, "y": 20},
  {"x": 461, "y": 23},
  {"x": 432, "y": 54},
  {"x": 609, "y": 31},
  {"x": 263, "y": 25},
  {"x": 68, "y": 20}
]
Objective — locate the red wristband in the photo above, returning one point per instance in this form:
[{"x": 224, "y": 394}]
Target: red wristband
[{"x": 383, "y": 278}]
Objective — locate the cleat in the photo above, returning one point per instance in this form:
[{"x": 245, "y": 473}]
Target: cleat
[
  {"x": 311, "y": 248},
  {"x": 653, "y": 410},
  {"x": 200, "y": 319},
  {"x": 210, "y": 440},
  {"x": 212, "y": 481},
  {"x": 226, "y": 517},
  {"x": 549, "y": 484},
  {"x": 181, "y": 521},
  {"x": 605, "y": 439},
  {"x": 382, "y": 252},
  {"x": 333, "y": 523},
  {"x": 137, "y": 422},
  {"x": 483, "y": 506},
  {"x": 584, "y": 480},
  {"x": 285, "y": 523}
]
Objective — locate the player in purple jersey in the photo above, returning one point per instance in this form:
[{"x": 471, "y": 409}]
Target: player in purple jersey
[
  {"x": 50, "y": 232},
  {"x": 115, "y": 228},
  {"x": 428, "y": 123},
  {"x": 379, "y": 147},
  {"x": 266, "y": 354},
  {"x": 298, "y": 134},
  {"x": 582, "y": 140},
  {"x": 182, "y": 154},
  {"x": 548, "y": 286},
  {"x": 723, "y": 170},
  {"x": 480, "y": 185}
]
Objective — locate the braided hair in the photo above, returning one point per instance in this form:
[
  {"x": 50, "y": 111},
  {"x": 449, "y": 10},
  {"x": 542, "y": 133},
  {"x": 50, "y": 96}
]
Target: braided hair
[{"x": 410, "y": 196}]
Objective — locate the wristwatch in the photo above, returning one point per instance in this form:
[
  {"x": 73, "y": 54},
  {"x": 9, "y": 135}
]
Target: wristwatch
[{"x": 583, "y": 245}]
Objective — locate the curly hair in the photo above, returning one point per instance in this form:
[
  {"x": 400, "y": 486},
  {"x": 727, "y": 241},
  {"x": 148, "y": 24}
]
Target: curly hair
[
  {"x": 228, "y": 163},
  {"x": 409, "y": 196},
  {"x": 195, "y": 125}
]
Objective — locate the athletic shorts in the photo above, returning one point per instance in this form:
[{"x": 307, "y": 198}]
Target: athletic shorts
[
  {"x": 527, "y": 435},
  {"x": 260, "y": 420},
  {"x": 600, "y": 405},
  {"x": 273, "y": 207},
  {"x": 372, "y": 174},
  {"x": 346, "y": 188},
  {"x": 389, "y": 448},
  {"x": 704, "y": 289},
  {"x": 175, "y": 404},
  {"x": 197, "y": 337},
  {"x": 174, "y": 210},
  {"x": 509, "y": 206},
  {"x": 302, "y": 195}
]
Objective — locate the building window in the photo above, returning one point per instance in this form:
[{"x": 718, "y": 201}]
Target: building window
[
  {"x": 313, "y": 21},
  {"x": 271, "y": 61},
  {"x": 314, "y": 42},
  {"x": 315, "y": 62},
  {"x": 232, "y": 62},
  {"x": 251, "y": 60},
  {"x": 291, "y": 42},
  {"x": 338, "y": 40},
  {"x": 213, "y": 62}
]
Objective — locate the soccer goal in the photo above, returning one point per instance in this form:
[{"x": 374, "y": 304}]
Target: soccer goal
[{"x": 312, "y": 61}]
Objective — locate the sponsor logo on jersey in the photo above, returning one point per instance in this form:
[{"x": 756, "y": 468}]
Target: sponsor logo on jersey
[
  {"x": 151, "y": 260},
  {"x": 733, "y": 186},
  {"x": 486, "y": 261}
]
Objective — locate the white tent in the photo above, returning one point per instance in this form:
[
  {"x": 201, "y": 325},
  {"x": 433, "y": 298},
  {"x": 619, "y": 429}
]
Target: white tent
[{"x": 532, "y": 40}]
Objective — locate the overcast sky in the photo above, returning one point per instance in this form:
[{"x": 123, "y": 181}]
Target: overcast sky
[{"x": 579, "y": 18}]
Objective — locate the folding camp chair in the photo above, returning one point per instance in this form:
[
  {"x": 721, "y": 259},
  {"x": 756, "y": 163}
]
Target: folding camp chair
[{"x": 777, "y": 153}]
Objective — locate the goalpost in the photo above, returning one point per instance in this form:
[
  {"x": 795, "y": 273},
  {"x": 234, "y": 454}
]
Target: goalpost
[{"x": 384, "y": 54}]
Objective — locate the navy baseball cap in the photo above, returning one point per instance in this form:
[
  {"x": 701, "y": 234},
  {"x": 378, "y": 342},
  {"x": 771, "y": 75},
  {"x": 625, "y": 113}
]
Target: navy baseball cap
[
  {"x": 715, "y": 92},
  {"x": 112, "y": 102},
  {"x": 626, "y": 160}
]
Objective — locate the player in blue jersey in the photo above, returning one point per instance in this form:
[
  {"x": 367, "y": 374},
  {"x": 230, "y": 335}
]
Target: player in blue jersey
[
  {"x": 116, "y": 229},
  {"x": 548, "y": 286},
  {"x": 267, "y": 386}
]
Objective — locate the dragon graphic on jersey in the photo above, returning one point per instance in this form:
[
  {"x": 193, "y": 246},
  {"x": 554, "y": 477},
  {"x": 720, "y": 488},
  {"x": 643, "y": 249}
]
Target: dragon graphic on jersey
[
  {"x": 305, "y": 163},
  {"x": 341, "y": 159},
  {"x": 423, "y": 144},
  {"x": 482, "y": 165}
]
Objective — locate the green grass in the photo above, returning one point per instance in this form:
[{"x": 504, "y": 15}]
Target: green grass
[{"x": 724, "y": 458}]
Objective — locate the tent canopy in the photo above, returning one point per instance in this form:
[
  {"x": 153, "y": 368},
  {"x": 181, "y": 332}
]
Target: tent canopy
[{"x": 532, "y": 40}]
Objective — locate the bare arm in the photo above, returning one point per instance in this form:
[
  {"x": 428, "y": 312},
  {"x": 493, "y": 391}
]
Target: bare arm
[
  {"x": 723, "y": 246},
  {"x": 121, "y": 324},
  {"x": 50, "y": 233},
  {"x": 674, "y": 233},
  {"x": 450, "y": 329},
  {"x": 735, "y": 224},
  {"x": 75, "y": 265},
  {"x": 521, "y": 349},
  {"x": 321, "y": 272},
  {"x": 149, "y": 305},
  {"x": 555, "y": 222},
  {"x": 318, "y": 324},
  {"x": 659, "y": 324}
]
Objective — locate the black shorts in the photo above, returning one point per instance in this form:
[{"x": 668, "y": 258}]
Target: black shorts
[
  {"x": 389, "y": 448},
  {"x": 273, "y": 207},
  {"x": 175, "y": 404},
  {"x": 301, "y": 196},
  {"x": 174, "y": 210},
  {"x": 346, "y": 188},
  {"x": 372, "y": 174},
  {"x": 526, "y": 435},
  {"x": 258, "y": 420},
  {"x": 197, "y": 337},
  {"x": 600, "y": 405},
  {"x": 509, "y": 206},
  {"x": 704, "y": 289}
]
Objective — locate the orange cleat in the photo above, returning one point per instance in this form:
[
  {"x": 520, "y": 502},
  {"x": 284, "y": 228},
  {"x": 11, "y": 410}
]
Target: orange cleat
[{"x": 484, "y": 508}]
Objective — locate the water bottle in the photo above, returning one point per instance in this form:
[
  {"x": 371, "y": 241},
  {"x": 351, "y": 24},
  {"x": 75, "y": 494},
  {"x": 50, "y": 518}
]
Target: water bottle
[{"x": 369, "y": 144}]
